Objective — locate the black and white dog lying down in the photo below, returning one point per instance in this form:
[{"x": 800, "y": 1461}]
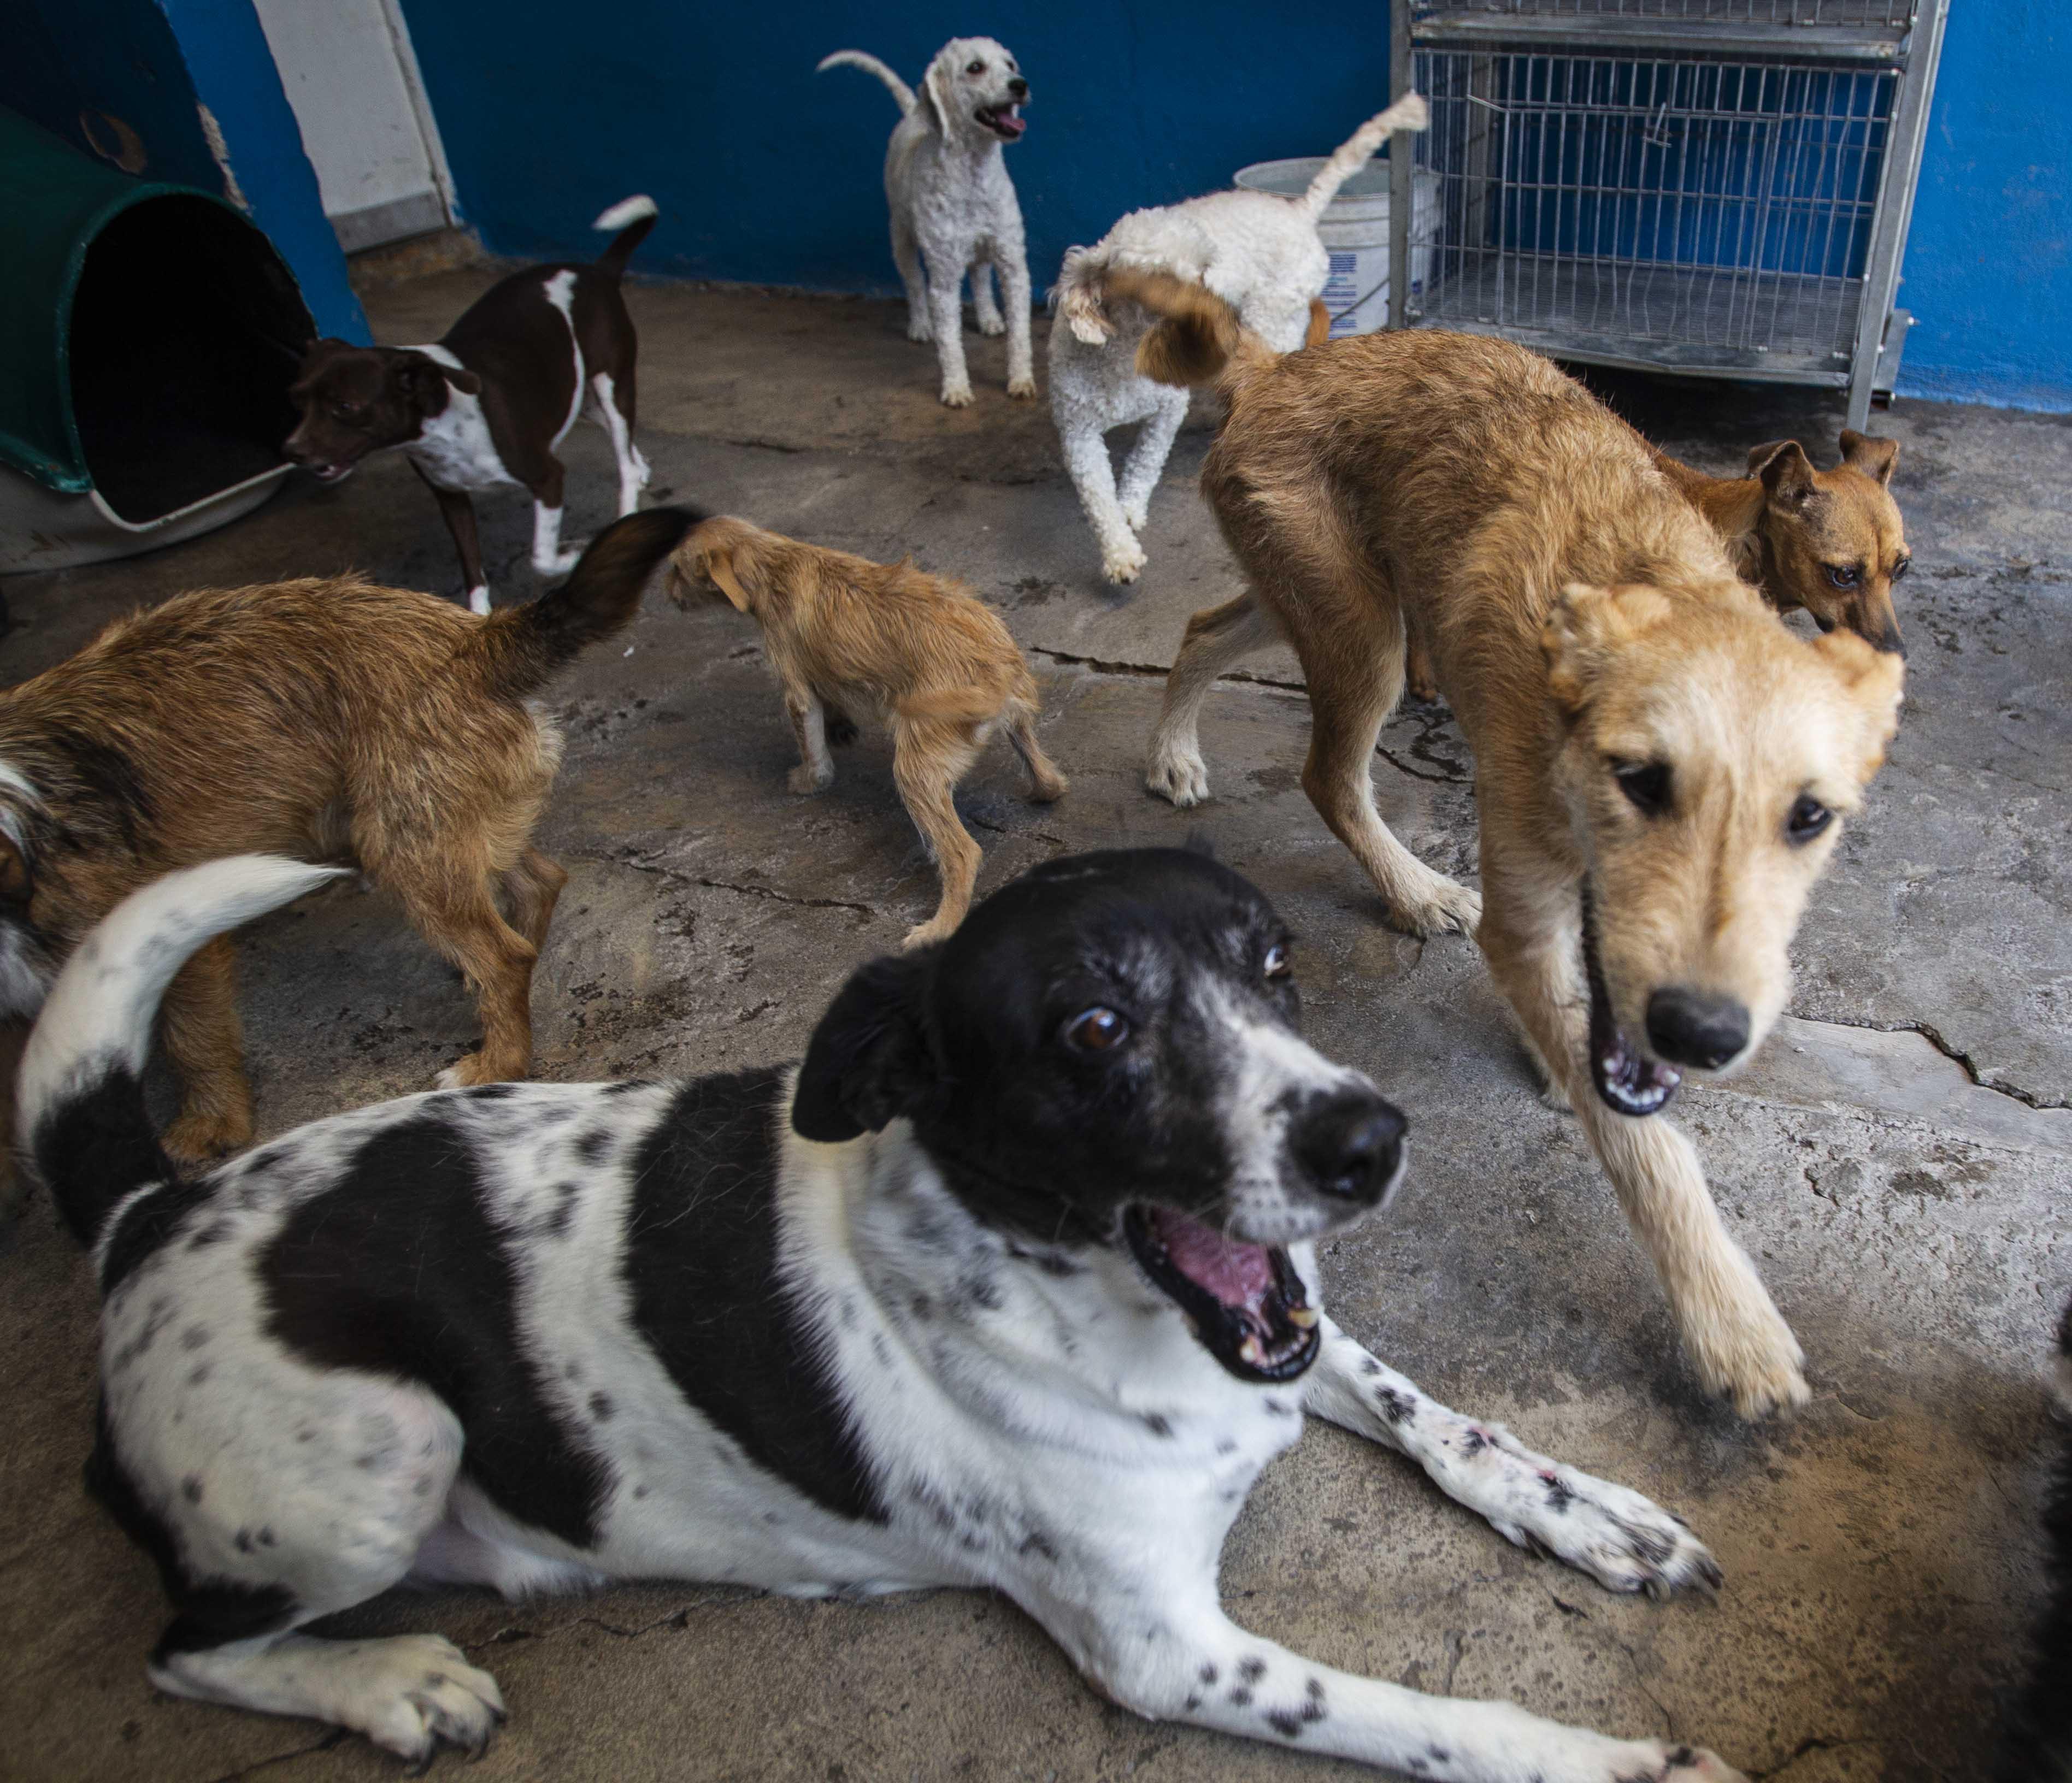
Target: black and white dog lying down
[{"x": 1009, "y": 1284}]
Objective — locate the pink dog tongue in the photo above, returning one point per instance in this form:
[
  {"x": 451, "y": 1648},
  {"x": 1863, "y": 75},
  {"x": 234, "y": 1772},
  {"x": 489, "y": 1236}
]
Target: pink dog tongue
[{"x": 1238, "y": 1275}]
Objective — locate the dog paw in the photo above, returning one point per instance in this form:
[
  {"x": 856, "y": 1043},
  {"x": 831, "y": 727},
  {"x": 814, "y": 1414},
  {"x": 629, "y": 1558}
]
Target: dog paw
[
  {"x": 1179, "y": 775},
  {"x": 466, "y": 1072},
  {"x": 805, "y": 782},
  {"x": 919, "y": 329},
  {"x": 560, "y": 564},
  {"x": 936, "y": 928},
  {"x": 956, "y": 396},
  {"x": 1023, "y": 389},
  {"x": 196, "y": 1139},
  {"x": 1048, "y": 789},
  {"x": 417, "y": 1692},
  {"x": 1138, "y": 515},
  {"x": 478, "y": 601},
  {"x": 992, "y": 325},
  {"x": 1120, "y": 564},
  {"x": 1440, "y": 908},
  {"x": 1423, "y": 687},
  {"x": 1623, "y": 1540},
  {"x": 1654, "y": 1761}
]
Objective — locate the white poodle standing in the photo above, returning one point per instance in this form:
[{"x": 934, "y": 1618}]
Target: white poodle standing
[
  {"x": 1259, "y": 252},
  {"x": 953, "y": 206}
]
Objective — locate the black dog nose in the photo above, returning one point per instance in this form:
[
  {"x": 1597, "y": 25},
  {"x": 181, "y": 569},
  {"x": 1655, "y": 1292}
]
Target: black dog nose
[
  {"x": 1693, "y": 1028},
  {"x": 1350, "y": 1143},
  {"x": 1018, "y": 86}
]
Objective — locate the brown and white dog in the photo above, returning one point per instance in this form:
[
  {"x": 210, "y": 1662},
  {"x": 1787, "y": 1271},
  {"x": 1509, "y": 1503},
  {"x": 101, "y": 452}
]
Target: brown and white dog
[
  {"x": 329, "y": 719},
  {"x": 1830, "y": 541},
  {"x": 485, "y": 406},
  {"x": 1661, "y": 767},
  {"x": 923, "y": 653}
]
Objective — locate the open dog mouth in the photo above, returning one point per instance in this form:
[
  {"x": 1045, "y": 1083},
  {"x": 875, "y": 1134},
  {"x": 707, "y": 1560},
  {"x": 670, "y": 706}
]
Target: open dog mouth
[
  {"x": 1629, "y": 1082},
  {"x": 1004, "y": 122},
  {"x": 1245, "y": 1301},
  {"x": 330, "y": 473}
]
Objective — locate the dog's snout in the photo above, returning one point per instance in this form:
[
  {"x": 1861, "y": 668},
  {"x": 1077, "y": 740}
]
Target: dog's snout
[
  {"x": 1350, "y": 1145},
  {"x": 1689, "y": 1027},
  {"x": 1018, "y": 86}
]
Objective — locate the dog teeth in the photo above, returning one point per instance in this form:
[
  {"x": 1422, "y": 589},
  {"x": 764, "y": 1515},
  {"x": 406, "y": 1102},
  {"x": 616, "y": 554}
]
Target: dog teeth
[
  {"x": 1252, "y": 1353},
  {"x": 1303, "y": 1318}
]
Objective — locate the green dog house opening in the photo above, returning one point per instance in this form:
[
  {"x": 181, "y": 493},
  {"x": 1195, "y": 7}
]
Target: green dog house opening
[{"x": 148, "y": 336}]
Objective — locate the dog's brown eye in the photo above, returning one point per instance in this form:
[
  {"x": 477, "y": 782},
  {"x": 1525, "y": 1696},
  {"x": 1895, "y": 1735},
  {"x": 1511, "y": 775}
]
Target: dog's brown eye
[
  {"x": 1646, "y": 783},
  {"x": 1844, "y": 575},
  {"x": 1808, "y": 818},
  {"x": 976, "y": 68},
  {"x": 1277, "y": 964},
  {"x": 1901, "y": 567},
  {"x": 1097, "y": 1030}
]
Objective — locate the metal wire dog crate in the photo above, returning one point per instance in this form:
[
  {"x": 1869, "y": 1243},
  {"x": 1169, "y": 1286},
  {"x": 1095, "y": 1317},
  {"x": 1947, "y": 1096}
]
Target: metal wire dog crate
[{"x": 1714, "y": 187}]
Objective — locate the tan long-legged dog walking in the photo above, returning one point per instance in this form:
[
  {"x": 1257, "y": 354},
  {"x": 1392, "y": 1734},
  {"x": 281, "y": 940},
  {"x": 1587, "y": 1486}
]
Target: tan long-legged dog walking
[
  {"x": 1661, "y": 765},
  {"x": 923, "y": 653}
]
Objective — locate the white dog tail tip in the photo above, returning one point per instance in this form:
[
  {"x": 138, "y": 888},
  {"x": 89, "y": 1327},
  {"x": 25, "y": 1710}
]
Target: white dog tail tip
[
  {"x": 627, "y": 212},
  {"x": 80, "y": 1094},
  {"x": 857, "y": 59},
  {"x": 1409, "y": 113}
]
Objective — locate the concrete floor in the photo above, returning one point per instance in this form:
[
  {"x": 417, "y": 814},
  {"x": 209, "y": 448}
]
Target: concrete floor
[{"x": 1897, "y": 1160}]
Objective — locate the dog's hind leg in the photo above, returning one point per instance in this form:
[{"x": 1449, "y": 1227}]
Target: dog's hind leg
[
  {"x": 198, "y": 1022},
  {"x": 907, "y": 256},
  {"x": 1738, "y": 1342},
  {"x": 928, "y": 760},
  {"x": 530, "y": 889},
  {"x": 1146, "y": 462},
  {"x": 613, "y": 409},
  {"x": 1162, "y": 1647},
  {"x": 1046, "y": 783},
  {"x": 1623, "y": 1540},
  {"x": 815, "y": 771},
  {"x": 549, "y": 558},
  {"x": 450, "y": 903},
  {"x": 1092, "y": 472},
  {"x": 945, "y": 278},
  {"x": 1218, "y": 638},
  {"x": 1351, "y": 692}
]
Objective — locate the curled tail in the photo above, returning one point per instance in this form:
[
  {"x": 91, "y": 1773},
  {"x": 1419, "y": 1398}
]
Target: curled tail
[
  {"x": 856, "y": 59},
  {"x": 80, "y": 1094},
  {"x": 632, "y": 218},
  {"x": 519, "y": 649},
  {"x": 1409, "y": 113},
  {"x": 1198, "y": 338}
]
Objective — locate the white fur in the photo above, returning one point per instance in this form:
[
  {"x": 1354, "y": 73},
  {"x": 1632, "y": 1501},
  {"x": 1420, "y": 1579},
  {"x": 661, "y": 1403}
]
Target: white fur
[
  {"x": 452, "y": 448},
  {"x": 954, "y": 208},
  {"x": 633, "y": 471},
  {"x": 1259, "y": 252},
  {"x": 626, "y": 213}
]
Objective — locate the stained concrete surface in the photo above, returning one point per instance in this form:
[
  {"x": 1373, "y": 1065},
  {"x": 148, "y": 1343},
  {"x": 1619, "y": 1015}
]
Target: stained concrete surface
[{"x": 1897, "y": 1160}]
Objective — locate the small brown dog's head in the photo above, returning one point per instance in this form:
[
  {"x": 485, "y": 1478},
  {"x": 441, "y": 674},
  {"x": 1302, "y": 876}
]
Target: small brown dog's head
[
  {"x": 356, "y": 400},
  {"x": 1708, "y": 758},
  {"x": 1832, "y": 541},
  {"x": 723, "y": 558}
]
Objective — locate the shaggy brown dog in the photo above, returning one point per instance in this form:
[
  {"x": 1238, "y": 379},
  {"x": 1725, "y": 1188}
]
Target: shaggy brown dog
[
  {"x": 331, "y": 719},
  {"x": 1831, "y": 541},
  {"x": 1661, "y": 766},
  {"x": 923, "y": 653}
]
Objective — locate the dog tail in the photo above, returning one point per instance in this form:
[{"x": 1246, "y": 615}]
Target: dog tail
[
  {"x": 632, "y": 218},
  {"x": 80, "y": 1095},
  {"x": 1409, "y": 113},
  {"x": 1197, "y": 338},
  {"x": 518, "y": 650},
  {"x": 856, "y": 59},
  {"x": 1080, "y": 293}
]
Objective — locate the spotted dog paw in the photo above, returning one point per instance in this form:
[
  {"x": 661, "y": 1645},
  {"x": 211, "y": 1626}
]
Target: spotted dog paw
[
  {"x": 1653, "y": 1761},
  {"x": 1180, "y": 775},
  {"x": 1623, "y": 1540},
  {"x": 415, "y": 1691}
]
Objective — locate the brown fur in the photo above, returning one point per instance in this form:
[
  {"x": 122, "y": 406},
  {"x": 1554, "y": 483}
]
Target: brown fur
[
  {"x": 1830, "y": 541},
  {"x": 922, "y": 652},
  {"x": 1584, "y": 617},
  {"x": 327, "y": 719}
]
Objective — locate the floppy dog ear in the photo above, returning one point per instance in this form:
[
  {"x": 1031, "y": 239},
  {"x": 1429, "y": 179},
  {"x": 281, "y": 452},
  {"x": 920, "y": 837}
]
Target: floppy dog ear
[
  {"x": 718, "y": 566},
  {"x": 428, "y": 381},
  {"x": 1875, "y": 681},
  {"x": 1786, "y": 471},
  {"x": 1873, "y": 456},
  {"x": 1586, "y": 627},
  {"x": 868, "y": 1061},
  {"x": 935, "y": 91}
]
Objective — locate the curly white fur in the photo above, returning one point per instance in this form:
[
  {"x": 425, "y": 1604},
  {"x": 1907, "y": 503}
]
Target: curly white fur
[
  {"x": 953, "y": 206},
  {"x": 1259, "y": 252}
]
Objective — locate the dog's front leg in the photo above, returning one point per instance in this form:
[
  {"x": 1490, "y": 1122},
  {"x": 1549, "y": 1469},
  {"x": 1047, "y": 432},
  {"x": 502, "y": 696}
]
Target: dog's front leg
[
  {"x": 984, "y": 305},
  {"x": 1623, "y": 1540},
  {"x": 815, "y": 771},
  {"x": 1146, "y": 462},
  {"x": 1178, "y": 1658},
  {"x": 945, "y": 278},
  {"x": 1014, "y": 267},
  {"x": 1092, "y": 472},
  {"x": 198, "y": 1021},
  {"x": 458, "y": 513},
  {"x": 1738, "y": 1342}
]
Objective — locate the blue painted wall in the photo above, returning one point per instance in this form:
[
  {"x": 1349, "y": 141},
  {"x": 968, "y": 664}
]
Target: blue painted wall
[
  {"x": 152, "y": 64},
  {"x": 1988, "y": 270},
  {"x": 768, "y": 173}
]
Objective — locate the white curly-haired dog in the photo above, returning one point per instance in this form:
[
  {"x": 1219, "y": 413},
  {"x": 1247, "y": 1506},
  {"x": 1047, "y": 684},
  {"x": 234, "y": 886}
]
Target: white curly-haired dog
[
  {"x": 953, "y": 206},
  {"x": 1257, "y": 251}
]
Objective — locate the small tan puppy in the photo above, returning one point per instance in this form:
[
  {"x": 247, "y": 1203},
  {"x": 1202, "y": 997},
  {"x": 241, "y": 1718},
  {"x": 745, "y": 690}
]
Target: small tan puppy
[
  {"x": 1662, "y": 767},
  {"x": 921, "y": 653},
  {"x": 1831, "y": 541}
]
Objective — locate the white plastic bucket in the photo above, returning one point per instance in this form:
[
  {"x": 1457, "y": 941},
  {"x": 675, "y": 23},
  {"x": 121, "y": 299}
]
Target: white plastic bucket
[{"x": 1354, "y": 228}]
